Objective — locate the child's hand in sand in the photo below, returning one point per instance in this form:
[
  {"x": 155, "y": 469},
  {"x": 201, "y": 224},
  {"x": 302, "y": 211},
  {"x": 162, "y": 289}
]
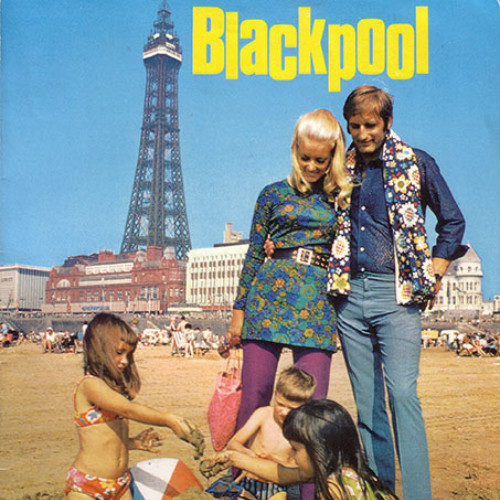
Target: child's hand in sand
[
  {"x": 147, "y": 440},
  {"x": 214, "y": 464},
  {"x": 190, "y": 433}
]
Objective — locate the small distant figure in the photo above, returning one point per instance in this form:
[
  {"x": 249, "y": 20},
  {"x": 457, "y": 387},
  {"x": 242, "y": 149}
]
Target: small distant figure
[
  {"x": 262, "y": 434},
  {"x": 200, "y": 347},
  {"x": 49, "y": 340},
  {"x": 68, "y": 342},
  {"x": 103, "y": 404},
  {"x": 183, "y": 324},
  {"x": 4, "y": 335}
]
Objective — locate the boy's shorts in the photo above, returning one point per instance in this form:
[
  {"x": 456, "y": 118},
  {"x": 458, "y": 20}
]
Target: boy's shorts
[{"x": 261, "y": 490}]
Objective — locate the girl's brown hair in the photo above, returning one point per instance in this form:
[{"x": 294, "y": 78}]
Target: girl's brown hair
[{"x": 100, "y": 341}]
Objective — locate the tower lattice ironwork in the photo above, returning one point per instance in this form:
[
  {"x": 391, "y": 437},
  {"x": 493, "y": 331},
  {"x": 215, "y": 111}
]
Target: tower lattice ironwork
[{"x": 157, "y": 212}]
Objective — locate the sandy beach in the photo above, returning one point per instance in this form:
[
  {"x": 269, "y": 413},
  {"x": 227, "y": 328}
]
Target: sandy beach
[{"x": 39, "y": 442}]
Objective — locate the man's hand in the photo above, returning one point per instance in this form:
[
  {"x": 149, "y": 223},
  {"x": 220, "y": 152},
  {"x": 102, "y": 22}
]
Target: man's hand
[
  {"x": 269, "y": 247},
  {"x": 440, "y": 266}
]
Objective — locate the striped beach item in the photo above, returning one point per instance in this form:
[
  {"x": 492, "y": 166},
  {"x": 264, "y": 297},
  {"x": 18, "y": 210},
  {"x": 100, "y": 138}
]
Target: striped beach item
[{"x": 161, "y": 479}]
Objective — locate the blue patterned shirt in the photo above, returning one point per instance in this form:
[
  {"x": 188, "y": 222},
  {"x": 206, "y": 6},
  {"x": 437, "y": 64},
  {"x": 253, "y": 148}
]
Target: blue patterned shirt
[{"x": 372, "y": 247}]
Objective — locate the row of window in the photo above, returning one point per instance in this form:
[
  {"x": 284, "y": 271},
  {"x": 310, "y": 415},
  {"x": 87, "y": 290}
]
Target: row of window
[
  {"x": 234, "y": 274},
  {"x": 217, "y": 263},
  {"x": 469, "y": 300},
  {"x": 219, "y": 290},
  {"x": 470, "y": 286},
  {"x": 103, "y": 295}
]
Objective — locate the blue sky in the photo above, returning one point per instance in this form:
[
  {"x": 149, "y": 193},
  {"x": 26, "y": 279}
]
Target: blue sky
[{"x": 73, "y": 86}]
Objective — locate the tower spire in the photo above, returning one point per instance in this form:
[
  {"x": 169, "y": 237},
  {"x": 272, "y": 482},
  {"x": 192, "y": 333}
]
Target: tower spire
[{"x": 157, "y": 212}]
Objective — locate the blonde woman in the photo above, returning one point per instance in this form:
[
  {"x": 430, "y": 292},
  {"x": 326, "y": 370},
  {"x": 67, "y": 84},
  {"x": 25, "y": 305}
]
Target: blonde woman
[{"x": 282, "y": 302}]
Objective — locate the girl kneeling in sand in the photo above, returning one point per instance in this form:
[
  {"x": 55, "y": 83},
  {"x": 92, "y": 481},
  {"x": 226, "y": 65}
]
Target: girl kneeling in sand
[{"x": 102, "y": 401}]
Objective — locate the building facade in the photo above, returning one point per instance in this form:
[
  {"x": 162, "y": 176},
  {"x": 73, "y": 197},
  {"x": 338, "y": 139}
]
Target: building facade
[
  {"x": 212, "y": 275},
  {"x": 146, "y": 281},
  {"x": 461, "y": 293},
  {"x": 22, "y": 288},
  {"x": 231, "y": 236},
  {"x": 496, "y": 304}
]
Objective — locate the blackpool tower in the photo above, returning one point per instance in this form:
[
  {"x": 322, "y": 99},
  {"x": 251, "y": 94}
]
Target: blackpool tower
[{"x": 157, "y": 211}]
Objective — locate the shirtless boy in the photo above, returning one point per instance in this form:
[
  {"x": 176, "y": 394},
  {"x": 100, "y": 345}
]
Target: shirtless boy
[{"x": 262, "y": 437}]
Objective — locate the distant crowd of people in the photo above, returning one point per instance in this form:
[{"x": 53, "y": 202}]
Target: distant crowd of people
[
  {"x": 50, "y": 340},
  {"x": 190, "y": 341},
  {"x": 480, "y": 343},
  {"x": 477, "y": 344},
  {"x": 185, "y": 339}
]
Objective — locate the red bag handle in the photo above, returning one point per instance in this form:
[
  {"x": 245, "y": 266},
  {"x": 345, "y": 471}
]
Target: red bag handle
[{"x": 234, "y": 359}]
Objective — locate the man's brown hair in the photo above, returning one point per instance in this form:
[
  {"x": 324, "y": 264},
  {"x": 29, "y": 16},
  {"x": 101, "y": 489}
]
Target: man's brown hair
[{"x": 368, "y": 99}]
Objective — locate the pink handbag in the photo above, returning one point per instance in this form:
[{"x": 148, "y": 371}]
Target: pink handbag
[{"x": 225, "y": 403}]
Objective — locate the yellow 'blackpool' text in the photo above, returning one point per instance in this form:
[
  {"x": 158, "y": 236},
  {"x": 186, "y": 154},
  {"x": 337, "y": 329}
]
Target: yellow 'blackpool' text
[{"x": 400, "y": 50}]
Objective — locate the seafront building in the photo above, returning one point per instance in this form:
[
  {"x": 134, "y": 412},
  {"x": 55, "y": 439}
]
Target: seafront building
[
  {"x": 212, "y": 274},
  {"x": 153, "y": 281},
  {"x": 22, "y": 288},
  {"x": 461, "y": 292},
  {"x": 212, "y": 278},
  {"x": 146, "y": 281}
]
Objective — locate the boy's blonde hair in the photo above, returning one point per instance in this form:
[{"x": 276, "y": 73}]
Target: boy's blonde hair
[{"x": 296, "y": 385}]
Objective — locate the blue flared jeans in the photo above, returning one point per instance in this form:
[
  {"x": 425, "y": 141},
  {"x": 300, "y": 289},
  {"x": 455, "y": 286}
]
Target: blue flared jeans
[{"x": 381, "y": 345}]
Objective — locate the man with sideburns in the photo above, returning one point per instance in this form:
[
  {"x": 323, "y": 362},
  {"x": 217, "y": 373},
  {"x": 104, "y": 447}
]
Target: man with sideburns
[{"x": 382, "y": 274}]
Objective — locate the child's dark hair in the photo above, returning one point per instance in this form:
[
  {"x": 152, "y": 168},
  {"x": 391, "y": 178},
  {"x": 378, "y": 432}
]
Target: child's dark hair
[
  {"x": 331, "y": 440},
  {"x": 101, "y": 338}
]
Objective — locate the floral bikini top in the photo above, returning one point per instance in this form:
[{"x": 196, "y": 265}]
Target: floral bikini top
[{"x": 94, "y": 414}]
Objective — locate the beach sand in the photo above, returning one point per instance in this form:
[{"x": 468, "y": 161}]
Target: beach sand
[{"x": 39, "y": 442}]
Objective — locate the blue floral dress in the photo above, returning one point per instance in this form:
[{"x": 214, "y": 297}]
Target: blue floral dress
[{"x": 286, "y": 302}]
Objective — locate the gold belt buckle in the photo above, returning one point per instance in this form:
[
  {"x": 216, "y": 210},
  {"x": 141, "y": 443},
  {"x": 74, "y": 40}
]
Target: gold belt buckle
[{"x": 304, "y": 256}]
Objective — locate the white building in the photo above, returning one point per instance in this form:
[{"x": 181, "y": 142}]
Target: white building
[
  {"x": 461, "y": 293},
  {"x": 231, "y": 236},
  {"x": 496, "y": 304},
  {"x": 22, "y": 287},
  {"x": 488, "y": 307},
  {"x": 212, "y": 275}
]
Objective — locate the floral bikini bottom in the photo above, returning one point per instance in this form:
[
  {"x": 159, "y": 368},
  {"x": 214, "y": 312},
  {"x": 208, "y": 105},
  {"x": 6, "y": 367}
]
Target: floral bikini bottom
[{"x": 96, "y": 487}]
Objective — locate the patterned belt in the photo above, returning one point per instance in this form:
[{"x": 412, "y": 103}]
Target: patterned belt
[{"x": 304, "y": 256}]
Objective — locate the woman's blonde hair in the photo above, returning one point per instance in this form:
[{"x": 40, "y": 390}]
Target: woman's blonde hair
[
  {"x": 322, "y": 125},
  {"x": 101, "y": 338}
]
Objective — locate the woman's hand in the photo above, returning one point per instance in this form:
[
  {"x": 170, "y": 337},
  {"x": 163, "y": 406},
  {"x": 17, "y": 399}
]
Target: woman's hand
[
  {"x": 147, "y": 440},
  {"x": 269, "y": 247},
  {"x": 235, "y": 328}
]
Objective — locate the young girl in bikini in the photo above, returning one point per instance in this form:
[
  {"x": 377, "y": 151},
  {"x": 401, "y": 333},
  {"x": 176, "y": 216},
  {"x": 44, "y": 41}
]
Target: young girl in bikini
[
  {"x": 103, "y": 404},
  {"x": 327, "y": 451}
]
